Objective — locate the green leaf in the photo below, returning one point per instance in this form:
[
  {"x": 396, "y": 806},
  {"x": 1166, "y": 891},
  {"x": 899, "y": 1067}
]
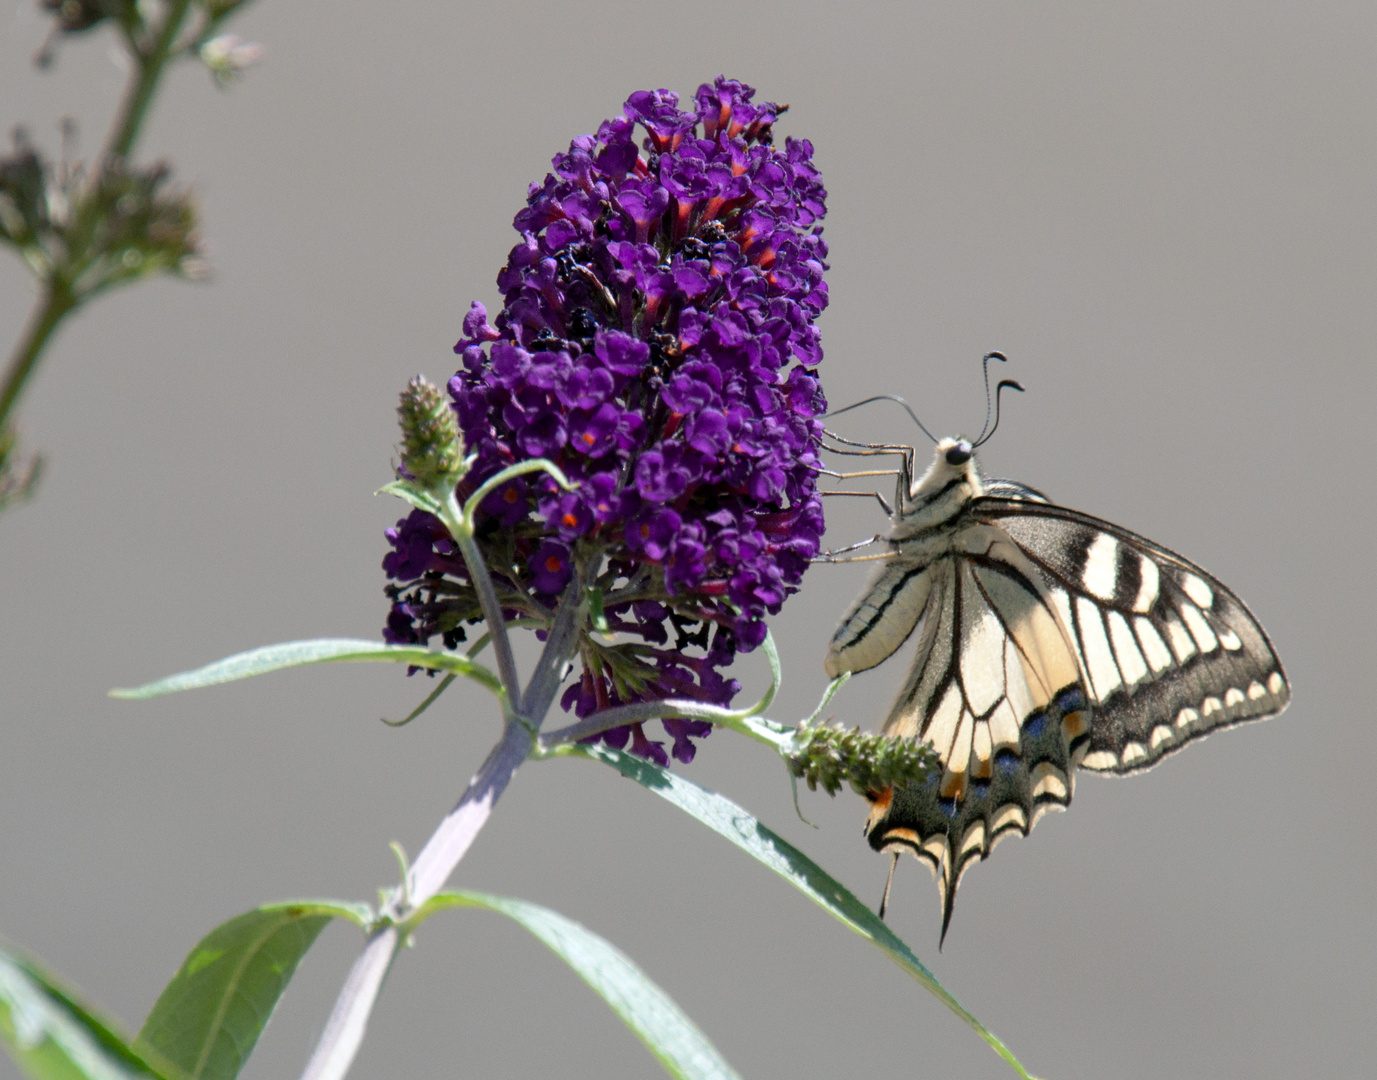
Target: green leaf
[
  {"x": 732, "y": 821},
  {"x": 647, "y": 1010},
  {"x": 415, "y": 495},
  {"x": 776, "y": 676},
  {"x": 208, "y": 1018},
  {"x": 300, "y": 653},
  {"x": 51, "y": 1036},
  {"x": 423, "y": 706}
]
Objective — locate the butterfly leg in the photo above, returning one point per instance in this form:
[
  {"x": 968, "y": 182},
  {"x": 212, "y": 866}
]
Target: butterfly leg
[
  {"x": 889, "y": 880},
  {"x": 851, "y": 448},
  {"x": 832, "y": 556}
]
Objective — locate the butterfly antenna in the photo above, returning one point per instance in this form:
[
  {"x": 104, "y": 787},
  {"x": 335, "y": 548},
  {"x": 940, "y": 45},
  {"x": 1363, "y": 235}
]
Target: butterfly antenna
[
  {"x": 984, "y": 438},
  {"x": 884, "y": 900},
  {"x": 888, "y": 397},
  {"x": 985, "y": 372}
]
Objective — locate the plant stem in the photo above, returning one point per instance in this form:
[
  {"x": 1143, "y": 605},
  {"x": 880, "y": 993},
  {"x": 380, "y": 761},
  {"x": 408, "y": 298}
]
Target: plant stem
[
  {"x": 57, "y": 298},
  {"x": 561, "y": 643},
  {"x": 344, "y": 1031},
  {"x": 451, "y": 840},
  {"x": 53, "y": 303},
  {"x": 758, "y": 728},
  {"x": 139, "y": 94},
  {"x": 462, "y": 531}
]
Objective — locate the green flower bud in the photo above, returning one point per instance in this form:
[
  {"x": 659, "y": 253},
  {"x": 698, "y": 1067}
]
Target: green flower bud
[
  {"x": 824, "y": 755},
  {"x": 432, "y": 448}
]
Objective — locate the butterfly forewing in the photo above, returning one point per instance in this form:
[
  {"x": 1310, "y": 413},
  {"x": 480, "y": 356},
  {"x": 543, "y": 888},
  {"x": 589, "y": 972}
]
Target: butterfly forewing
[{"x": 1171, "y": 653}]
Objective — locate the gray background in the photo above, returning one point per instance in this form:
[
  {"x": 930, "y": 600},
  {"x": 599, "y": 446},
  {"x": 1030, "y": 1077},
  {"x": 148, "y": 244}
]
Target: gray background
[{"x": 1162, "y": 212}]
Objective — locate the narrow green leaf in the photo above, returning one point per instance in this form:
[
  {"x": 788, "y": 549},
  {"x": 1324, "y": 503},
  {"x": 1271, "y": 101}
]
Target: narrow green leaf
[
  {"x": 423, "y": 706},
  {"x": 647, "y": 1010},
  {"x": 51, "y": 1036},
  {"x": 417, "y": 497},
  {"x": 776, "y": 675},
  {"x": 300, "y": 653},
  {"x": 732, "y": 821},
  {"x": 208, "y": 1018}
]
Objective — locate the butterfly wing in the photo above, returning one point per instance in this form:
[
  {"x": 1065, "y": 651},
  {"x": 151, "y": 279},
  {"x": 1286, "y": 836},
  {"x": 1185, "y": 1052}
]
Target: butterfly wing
[
  {"x": 1170, "y": 652},
  {"x": 997, "y": 690},
  {"x": 1046, "y": 639}
]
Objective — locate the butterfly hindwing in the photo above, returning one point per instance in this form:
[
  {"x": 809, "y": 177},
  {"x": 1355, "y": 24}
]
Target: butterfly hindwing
[
  {"x": 1170, "y": 652},
  {"x": 995, "y": 690}
]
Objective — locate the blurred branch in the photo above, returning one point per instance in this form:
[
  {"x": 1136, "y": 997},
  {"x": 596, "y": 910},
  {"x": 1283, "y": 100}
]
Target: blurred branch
[
  {"x": 83, "y": 231},
  {"x": 151, "y": 60}
]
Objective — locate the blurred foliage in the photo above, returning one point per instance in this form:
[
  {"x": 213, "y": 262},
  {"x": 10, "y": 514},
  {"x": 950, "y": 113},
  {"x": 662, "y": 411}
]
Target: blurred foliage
[{"x": 82, "y": 228}]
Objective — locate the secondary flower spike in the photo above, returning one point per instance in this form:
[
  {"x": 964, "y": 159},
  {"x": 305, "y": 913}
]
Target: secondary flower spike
[{"x": 657, "y": 342}]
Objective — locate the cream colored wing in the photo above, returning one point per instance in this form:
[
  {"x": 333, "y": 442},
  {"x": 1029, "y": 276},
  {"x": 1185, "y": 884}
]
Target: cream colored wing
[
  {"x": 1171, "y": 653},
  {"x": 997, "y": 691}
]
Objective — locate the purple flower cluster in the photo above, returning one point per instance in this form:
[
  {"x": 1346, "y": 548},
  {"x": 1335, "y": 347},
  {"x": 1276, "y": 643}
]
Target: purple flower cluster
[{"x": 657, "y": 342}]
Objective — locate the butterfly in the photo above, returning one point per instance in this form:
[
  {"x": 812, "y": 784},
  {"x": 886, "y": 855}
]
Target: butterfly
[{"x": 1047, "y": 640}]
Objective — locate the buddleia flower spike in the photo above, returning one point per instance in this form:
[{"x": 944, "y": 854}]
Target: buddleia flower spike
[{"x": 657, "y": 342}]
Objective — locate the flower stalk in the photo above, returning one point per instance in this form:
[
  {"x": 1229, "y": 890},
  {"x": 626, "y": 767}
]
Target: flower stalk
[{"x": 450, "y": 842}]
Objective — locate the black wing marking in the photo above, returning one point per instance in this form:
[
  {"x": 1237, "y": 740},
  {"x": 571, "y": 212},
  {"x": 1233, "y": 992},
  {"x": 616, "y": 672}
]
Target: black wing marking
[
  {"x": 1170, "y": 652},
  {"x": 995, "y": 689},
  {"x": 1011, "y": 489}
]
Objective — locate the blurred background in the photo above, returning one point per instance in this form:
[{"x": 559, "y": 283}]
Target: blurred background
[{"x": 1162, "y": 213}]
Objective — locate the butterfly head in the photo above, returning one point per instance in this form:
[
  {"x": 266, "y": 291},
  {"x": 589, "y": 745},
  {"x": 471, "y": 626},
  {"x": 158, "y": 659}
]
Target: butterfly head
[
  {"x": 953, "y": 465},
  {"x": 957, "y": 452}
]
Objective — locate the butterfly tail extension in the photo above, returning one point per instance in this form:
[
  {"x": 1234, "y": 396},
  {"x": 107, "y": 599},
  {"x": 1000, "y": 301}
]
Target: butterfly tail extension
[{"x": 951, "y": 828}]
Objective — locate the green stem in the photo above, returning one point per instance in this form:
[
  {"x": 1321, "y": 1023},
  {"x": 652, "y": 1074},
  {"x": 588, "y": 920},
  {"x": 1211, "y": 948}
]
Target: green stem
[
  {"x": 55, "y": 301},
  {"x": 461, "y": 529},
  {"x": 140, "y": 92},
  {"x": 58, "y": 298}
]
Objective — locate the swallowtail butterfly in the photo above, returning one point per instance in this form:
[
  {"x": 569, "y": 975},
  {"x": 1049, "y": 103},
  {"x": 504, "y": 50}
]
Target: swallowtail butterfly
[{"x": 1047, "y": 640}]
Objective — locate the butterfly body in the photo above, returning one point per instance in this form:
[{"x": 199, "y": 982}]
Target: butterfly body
[{"x": 1046, "y": 640}]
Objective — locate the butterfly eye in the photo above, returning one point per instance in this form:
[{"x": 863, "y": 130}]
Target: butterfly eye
[{"x": 959, "y": 454}]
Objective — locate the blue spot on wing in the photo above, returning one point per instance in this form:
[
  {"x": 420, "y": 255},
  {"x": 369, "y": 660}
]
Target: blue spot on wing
[{"x": 1072, "y": 700}]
